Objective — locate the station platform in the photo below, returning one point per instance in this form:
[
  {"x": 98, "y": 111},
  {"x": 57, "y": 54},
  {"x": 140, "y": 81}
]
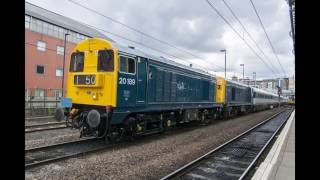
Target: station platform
[{"x": 280, "y": 161}]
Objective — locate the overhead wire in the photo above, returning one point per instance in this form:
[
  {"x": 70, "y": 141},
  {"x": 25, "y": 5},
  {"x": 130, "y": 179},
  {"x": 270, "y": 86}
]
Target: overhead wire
[
  {"x": 228, "y": 23},
  {"x": 143, "y": 33},
  {"x": 142, "y": 44},
  {"x": 154, "y": 49},
  {"x": 245, "y": 29},
  {"x": 256, "y": 12}
]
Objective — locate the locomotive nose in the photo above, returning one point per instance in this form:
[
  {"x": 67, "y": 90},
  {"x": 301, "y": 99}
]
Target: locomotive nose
[{"x": 93, "y": 118}]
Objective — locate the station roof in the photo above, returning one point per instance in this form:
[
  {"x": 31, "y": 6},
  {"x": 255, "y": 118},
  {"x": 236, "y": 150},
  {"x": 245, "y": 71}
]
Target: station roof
[{"x": 59, "y": 20}]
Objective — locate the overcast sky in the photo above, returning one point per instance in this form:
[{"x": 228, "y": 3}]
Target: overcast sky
[{"x": 192, "y": 25}]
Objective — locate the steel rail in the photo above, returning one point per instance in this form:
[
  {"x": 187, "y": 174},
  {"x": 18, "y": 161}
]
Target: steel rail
[
  {"x": 61, "y": 157},
  {"x": 45, "y": 126},
  {"x": 192, "y": 163},
  {"x": 263, "y": 149},
  {"x": 38, "y": 117}
]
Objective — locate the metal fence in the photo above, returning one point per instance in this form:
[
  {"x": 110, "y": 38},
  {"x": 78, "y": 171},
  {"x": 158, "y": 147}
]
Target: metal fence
[{"x": 41, "y": 102}]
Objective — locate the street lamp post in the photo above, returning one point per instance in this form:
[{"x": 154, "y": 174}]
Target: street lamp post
[
  {"x": 242, "y": 72},
  {"x": 64, "y": 60},
  {"x": 225, "y": 62}
]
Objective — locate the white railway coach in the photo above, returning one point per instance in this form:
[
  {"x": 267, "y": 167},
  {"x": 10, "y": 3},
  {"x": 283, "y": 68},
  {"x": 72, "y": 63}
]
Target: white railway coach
[{"x": 263, "y": 99}]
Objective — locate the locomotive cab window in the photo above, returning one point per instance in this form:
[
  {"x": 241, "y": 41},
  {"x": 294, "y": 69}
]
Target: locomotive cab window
[
  {"x": 77, "y": 62},
  {"x": 105, "y": 61},
  {"x": 127, "y": 65}
]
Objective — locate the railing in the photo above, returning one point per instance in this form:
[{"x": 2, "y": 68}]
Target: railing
[{"x": 41, "y": 102}]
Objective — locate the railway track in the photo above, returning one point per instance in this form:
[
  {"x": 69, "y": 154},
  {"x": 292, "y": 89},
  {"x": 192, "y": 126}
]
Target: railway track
[
  {"x": 235, "y": 158},
  {"x": 47, "y": 154},
  {"x": 45, "y": 126}
]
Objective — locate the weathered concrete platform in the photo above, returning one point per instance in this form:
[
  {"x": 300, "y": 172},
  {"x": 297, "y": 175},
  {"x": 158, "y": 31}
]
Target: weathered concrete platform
[{"x": 280, "y": 161}]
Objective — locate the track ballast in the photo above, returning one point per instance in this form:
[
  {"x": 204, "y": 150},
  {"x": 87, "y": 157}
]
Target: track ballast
[{"x": 234, "y": 159}]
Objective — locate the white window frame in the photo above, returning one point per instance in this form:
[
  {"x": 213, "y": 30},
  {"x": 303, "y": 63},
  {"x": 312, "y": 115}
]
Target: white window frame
[
  {"x": 58, "y": 93},
  {"x": 58, "y": 71},
  {"x": 27, "y": 21},
  {"x": 41, "y": 47},
  {"x": 40, "y": 92},
  {"x": 135, "y": 64},
  {"x": 60, "y": 50}
]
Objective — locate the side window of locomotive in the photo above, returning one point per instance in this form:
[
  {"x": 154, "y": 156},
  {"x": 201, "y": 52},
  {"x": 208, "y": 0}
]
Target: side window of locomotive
[
  {"x": 123, "y": 64},
  {"x": 127, "y": 65},
  {"x": 105, "y": 61},
  {"x": 77, "y": 62},
  {"x": 131, "y": 66}
]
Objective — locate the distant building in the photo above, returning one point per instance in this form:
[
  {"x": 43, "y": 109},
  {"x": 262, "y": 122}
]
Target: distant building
[
  {"x": 44, "y": 48},
  {"x": 267, "y": 84},
  {"x": 234, "y": 78},
  {"x": 292, "y": 83}
]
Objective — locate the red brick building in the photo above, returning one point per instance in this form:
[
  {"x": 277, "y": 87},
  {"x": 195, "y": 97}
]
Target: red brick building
[{"x": 44, "y": 49}]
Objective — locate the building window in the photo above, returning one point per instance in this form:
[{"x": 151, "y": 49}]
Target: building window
[
  {"x": 45, "y": 28},
  {"x": 40, "y": 69},
  {"x": 39, "y": 26},
  {"x": 60, "y": 50},
  {"x": 59, "y": 72},
  {"x": 50, "y": 30},
  {"x": 39, "y": 93},
  {"x": 41, "y": 46},
  {"x": 61, "y": 33},
  {"x": 27, "y": 20},
  {"x": 58, "y": 93}
]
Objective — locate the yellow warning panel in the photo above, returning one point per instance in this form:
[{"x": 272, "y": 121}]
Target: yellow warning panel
[{"x": 221, "y": 90}]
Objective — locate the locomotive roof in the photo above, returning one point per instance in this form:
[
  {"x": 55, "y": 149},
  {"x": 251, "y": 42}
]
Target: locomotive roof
[
  {"x": 138, "y": 52},
  {"x": 238, "y": 83}
]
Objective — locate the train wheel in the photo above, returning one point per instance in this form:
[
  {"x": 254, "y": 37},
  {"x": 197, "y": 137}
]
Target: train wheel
[
  {"x": 115, "y": 135},
  {"x": 215, "y": 116},
  {"x": 131, "y": 128},
  {"x": 227, "y": 113},
  {"x": 203, "y": 118}
]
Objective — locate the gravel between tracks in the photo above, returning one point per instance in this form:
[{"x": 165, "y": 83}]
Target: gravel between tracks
[
  {"x": 44, "y": 138},
  {"x": 150, "y": 159},
  {"x": 31, "y": 122}
]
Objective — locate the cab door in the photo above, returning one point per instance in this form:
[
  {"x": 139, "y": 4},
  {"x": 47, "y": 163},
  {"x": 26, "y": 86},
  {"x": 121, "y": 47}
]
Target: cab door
[
  {"x": 127, "y": 81},
  {"x": 141, "y": 80}
]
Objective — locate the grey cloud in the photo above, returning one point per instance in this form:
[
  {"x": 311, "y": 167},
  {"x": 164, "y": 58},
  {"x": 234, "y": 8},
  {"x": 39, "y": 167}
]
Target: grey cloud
[{"x": 190, "y": 25}]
